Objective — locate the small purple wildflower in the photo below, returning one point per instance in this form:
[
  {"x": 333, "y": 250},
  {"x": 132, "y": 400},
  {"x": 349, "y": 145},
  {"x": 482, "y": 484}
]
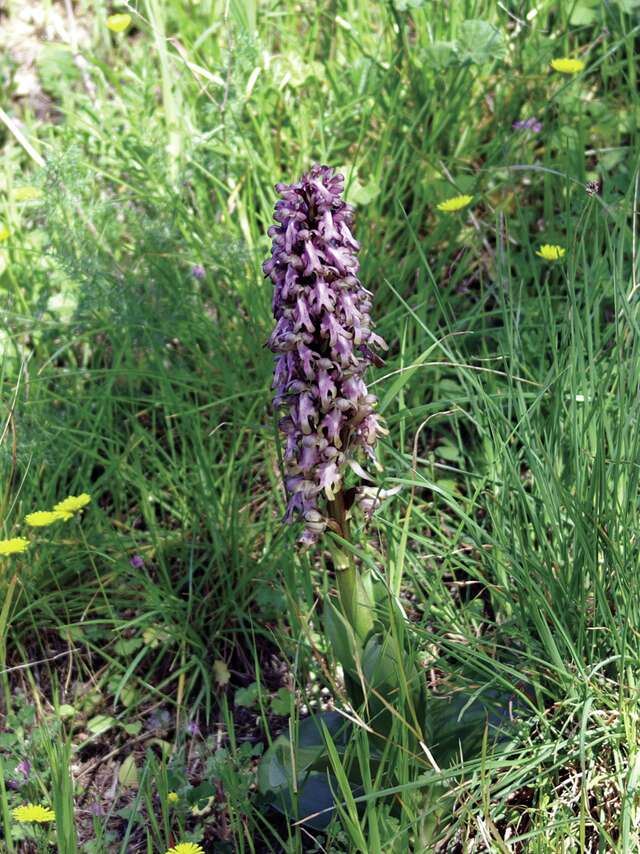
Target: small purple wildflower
[
  {"x": 198, "y": 271},
  {"x": 24, "y": 768},
  {"x": 193, "y": 728},
  {"x": 531, "y": 124},
  {"x": 137, "y": 561},
  {"x": 322, "y": 340}
]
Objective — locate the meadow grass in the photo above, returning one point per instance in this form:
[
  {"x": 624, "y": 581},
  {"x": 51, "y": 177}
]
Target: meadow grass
[{"x": 510, "y": 393}]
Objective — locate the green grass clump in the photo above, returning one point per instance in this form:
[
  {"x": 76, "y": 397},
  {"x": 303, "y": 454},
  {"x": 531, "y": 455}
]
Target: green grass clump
[{"x": 510, "y": 392}]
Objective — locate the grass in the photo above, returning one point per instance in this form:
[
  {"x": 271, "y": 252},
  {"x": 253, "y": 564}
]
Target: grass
[{"x": 510, "y": 392}]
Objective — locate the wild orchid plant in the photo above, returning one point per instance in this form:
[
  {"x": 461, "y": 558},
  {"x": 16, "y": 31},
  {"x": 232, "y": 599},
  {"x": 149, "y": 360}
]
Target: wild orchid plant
[{"x": 324, "y": 342}]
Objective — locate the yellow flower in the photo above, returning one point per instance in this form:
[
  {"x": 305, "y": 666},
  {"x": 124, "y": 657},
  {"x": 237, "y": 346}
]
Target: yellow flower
[
  {"x": 567, "y": 66},
  {"x": 42, "y": 518},
  {"x": 550, "y": 253},
  {"x": 14, "y": 546},
  {"x": 173, "y": 798},
  {"x": 186, "y": 848},
  {"x": 33, "y": 812},
  {"x": 26, "y": 194},
  {"x": 454, "y": 204},
  {"x": 71, "y": 505},
  {"x": 4, "y": 233},
  {"x": 118, "y": 23}
]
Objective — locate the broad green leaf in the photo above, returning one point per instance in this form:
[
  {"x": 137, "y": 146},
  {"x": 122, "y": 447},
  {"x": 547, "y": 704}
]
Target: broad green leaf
[
  {"x": 341, "y": 637},
  {"x": 441, "y": 55},
  {"x": 388, "y": 671},
  {"x": 247, "y": 696},
  {"x": 165, "y": 747},
  {"x": 200, "y": 795},
  {"x": 363, "y": 194},
  {"x": 66, "y": 711},
  {"x": 380, "y": 665},
  {"x": 314, "y": 781},
  {"x": 628, "y": 6},
  {"x": 457, "y": 723},
  {"x": 274, "y": 772},
  {"x": 356, "y": 192},
  {"x": 101, "y": 724},
  {"x": 126, "y": 646},
  {"x": 128, "y": 696},
  {"x": 133, "y": 728},
  {"x": 449, "y": 485},
  {"x": 449, "y": 453},
  {"x": 275, "y": 769},
  {"x": 128, "y": 773},
  {"x": 479, "y": 41},
  {"x": 584, "y": 13},
  {"x": 281, "y": 702}
]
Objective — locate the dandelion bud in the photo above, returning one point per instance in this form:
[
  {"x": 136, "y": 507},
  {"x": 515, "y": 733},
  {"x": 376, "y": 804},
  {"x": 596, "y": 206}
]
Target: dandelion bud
[{"x": 323, "y": 340}]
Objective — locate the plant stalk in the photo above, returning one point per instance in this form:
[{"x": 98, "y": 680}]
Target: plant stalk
[{"x": 355, "y": 602}]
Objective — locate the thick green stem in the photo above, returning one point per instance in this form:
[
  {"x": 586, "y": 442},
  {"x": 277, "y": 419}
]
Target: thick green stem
[{"x": 355, "y": 602}]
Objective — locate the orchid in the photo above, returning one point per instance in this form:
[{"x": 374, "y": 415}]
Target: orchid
[{"x": 324, "y": 342}]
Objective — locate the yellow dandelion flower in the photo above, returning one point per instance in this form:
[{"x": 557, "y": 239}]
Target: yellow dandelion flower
[
  {"x": 42, "y": 518},
  {"x": 186, "y": 848},
  {"x": 14, "y": 546},
  {"x": 567, "y": 66},
  {"x": 454, "y": 204},
  {"x": 173, "y": 798},
  {"x": 71, "y": 505},
  {"x": 118, "y": 23},
  {"x": 550, "y": 252},
  {"x": 4, "y": 233},
  {"x": 26, "y": 194},
  {"x": 33, "y": 812}
]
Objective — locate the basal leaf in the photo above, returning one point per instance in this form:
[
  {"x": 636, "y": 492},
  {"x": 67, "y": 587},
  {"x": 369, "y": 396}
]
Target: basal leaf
[
  {"x": 479, "y": 42},
  {"x": 247, "y": 696},
  {"x": 128, "y": 773}
]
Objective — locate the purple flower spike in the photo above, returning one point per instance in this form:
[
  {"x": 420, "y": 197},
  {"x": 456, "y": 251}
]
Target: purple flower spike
[
  {"x": 137, "y": 561},
  {"x": 323, "y": 340},
  {"x": 198, "y": 271},
  {"x": 531, "y": 124}
]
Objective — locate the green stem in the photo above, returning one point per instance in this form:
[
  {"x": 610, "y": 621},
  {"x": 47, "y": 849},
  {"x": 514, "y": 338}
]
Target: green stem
[
  {"x": 169, "y": 98},
  {"x": 4, "y": 813},
  {"x": 355, "y": 602},
  {"x": 4, "y": 624}
]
